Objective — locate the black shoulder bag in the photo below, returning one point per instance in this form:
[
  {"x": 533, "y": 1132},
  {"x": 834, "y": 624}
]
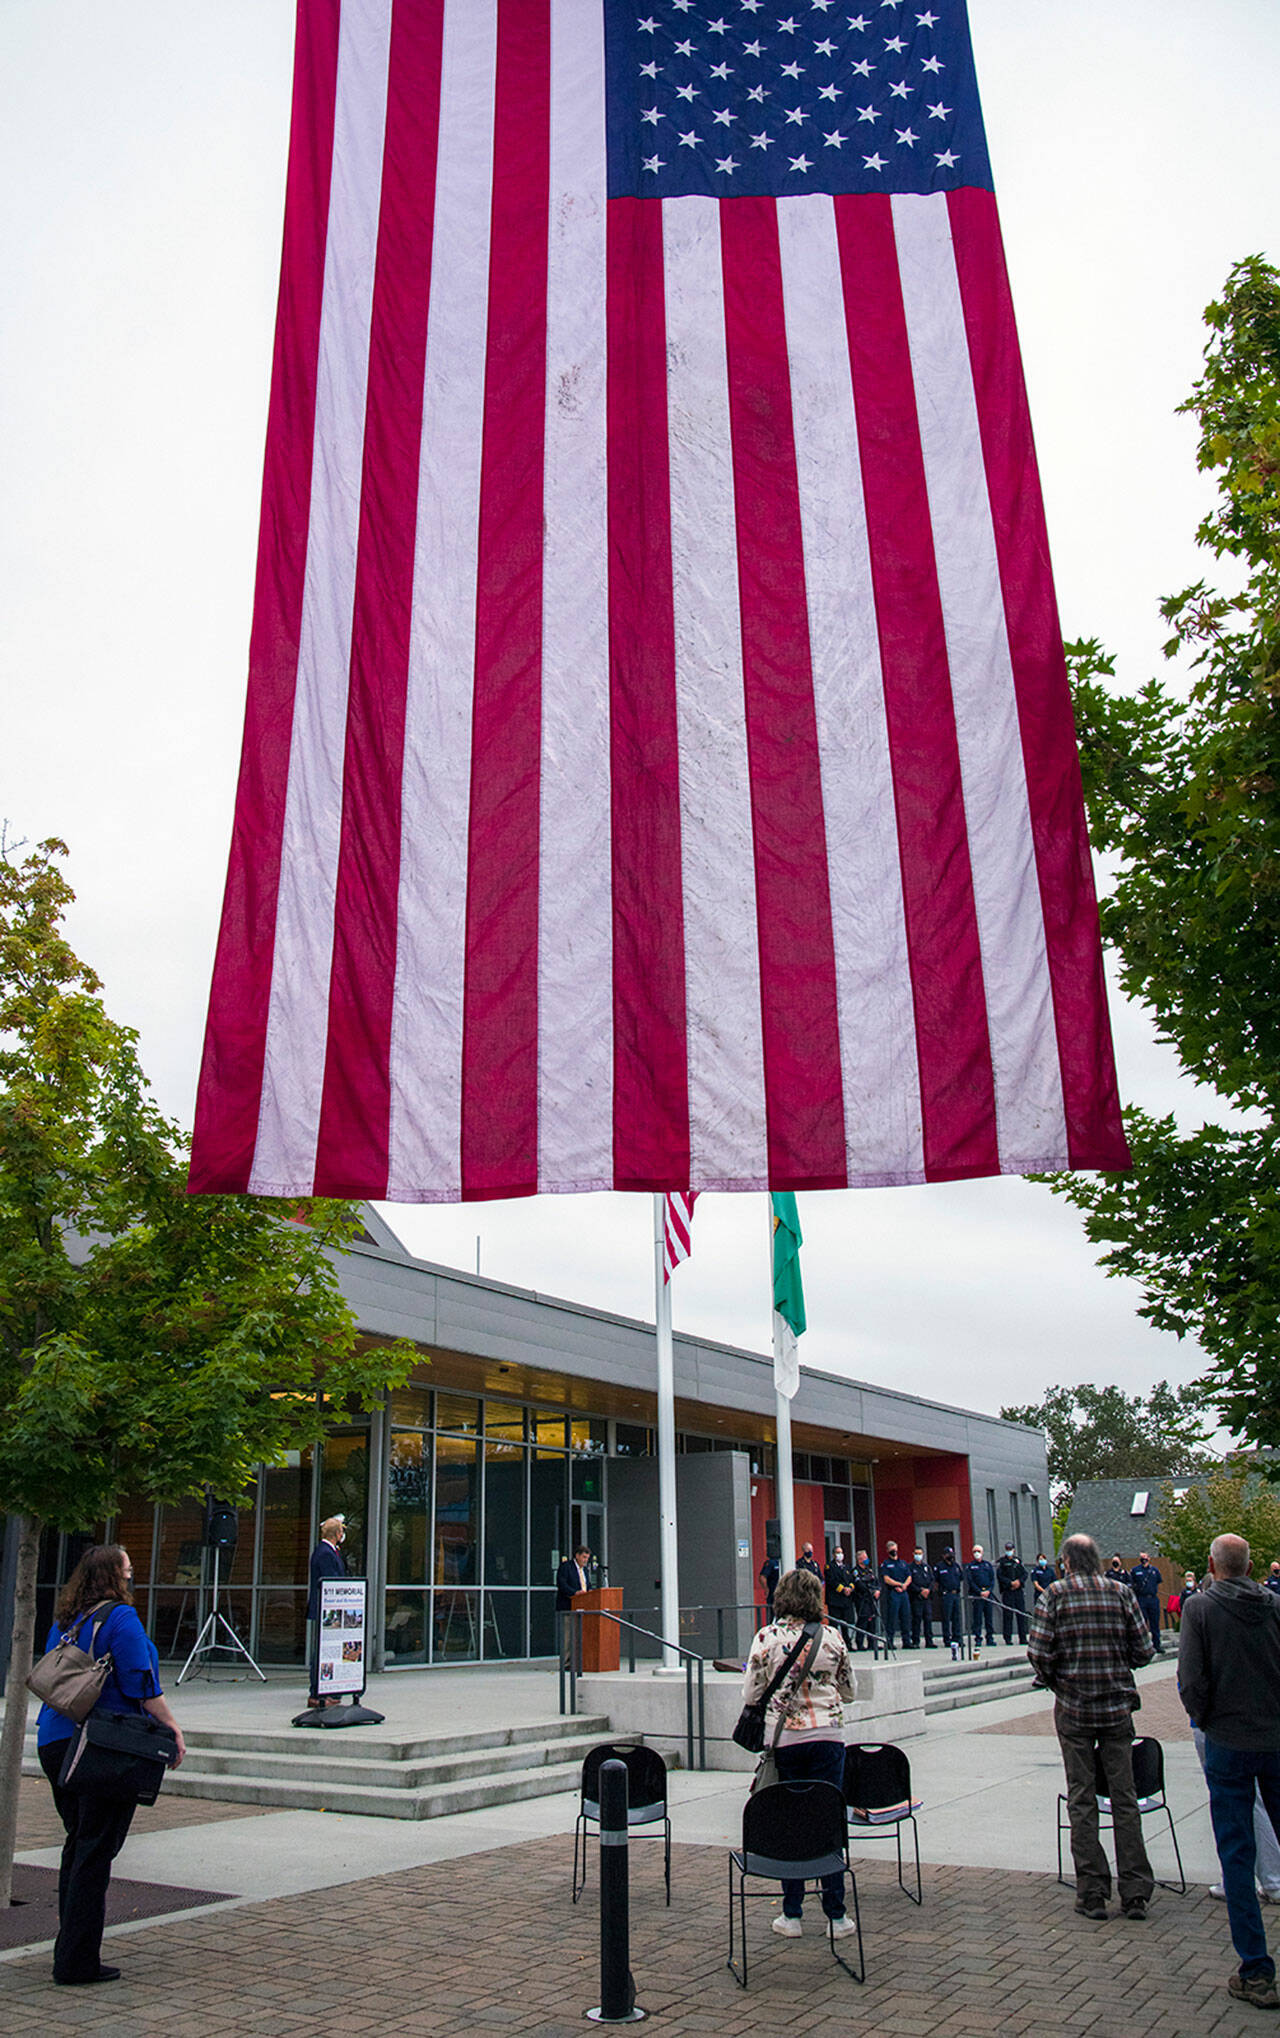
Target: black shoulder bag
[{"x": 749, "y": 1732}]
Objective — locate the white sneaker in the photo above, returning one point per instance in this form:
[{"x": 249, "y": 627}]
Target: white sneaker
[
  {"x": 1270, "y": 1892},
  {"x": 787, "y": 1928},
  {"x": 1269, "y": 1895},
  {"x": 1218, "y": 1892},
  {"x": 842, "y": 1928}
]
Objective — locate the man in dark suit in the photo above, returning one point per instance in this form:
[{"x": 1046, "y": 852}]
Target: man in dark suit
[
  {"x": 327, "y": 1561},
  {"x": 574, "y": 1576}
]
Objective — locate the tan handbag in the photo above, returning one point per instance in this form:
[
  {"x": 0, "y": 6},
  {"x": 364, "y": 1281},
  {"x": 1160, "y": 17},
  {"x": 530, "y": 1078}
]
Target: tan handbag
[{"x": 70, "y": 1678}]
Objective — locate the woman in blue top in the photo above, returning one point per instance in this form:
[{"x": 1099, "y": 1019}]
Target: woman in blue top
[{"x": 96, "y": 1826}]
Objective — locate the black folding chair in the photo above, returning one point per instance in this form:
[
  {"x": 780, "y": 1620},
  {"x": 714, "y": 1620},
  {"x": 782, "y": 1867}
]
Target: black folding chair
[
  {"x": 646, "y": 1802},
  {"x": 877, "y": 1791},
  {"x": 792, "y": 1832},
  {"x": 1148, "y": 1781}
]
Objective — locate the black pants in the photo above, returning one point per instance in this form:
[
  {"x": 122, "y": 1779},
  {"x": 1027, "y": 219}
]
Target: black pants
[
  {"x": 1014, "y": 1608},
  {"x": 864, "y": 1613},
  {"x": 96, "y": 1830},
  {"x": 921, "y": 1617},
  {"x": 951, "y": 1628},
  {"x": 980, "y": 1618},
  {"x": 1150, "y": 1611}
]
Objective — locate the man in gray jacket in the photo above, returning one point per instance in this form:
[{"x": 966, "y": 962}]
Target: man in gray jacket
[{"x": 1229, "y": 1682}]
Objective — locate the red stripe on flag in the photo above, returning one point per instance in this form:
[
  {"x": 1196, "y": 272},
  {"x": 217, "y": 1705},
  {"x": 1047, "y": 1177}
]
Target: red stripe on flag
[
  {"x": 1095, "y": 1136},
  {"x": 677, "y": 1229},
  {"x": 500, "y": 1018},
  {"x": 228, "y": 1102},
  {"x": 355, "y": 1111},
  {"x": 804, "y": 1098},
  {"x": 650, "y": 1061},
  {"x": 956, "y": 1085}
]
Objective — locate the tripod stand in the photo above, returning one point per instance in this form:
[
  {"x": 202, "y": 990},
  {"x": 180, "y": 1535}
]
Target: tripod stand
[{"x": 207, "y": 1644}]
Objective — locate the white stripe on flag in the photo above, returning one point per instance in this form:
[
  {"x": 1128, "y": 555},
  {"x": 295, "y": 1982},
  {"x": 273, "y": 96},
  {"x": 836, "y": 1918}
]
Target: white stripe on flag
[
  {"x": 426, "y": 1029},
  {"x": 677, "y": 1230},
  {"x": 298, "y": 1014},
  {"x": 575, "y": 933},
  {"x": 1030, "y": 1117},
  {"x": 721, "y": 943},
  {"x": 883, "y": 1122}
]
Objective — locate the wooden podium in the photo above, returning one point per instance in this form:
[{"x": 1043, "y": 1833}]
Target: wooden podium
[{"x": 601, "y": 1639}]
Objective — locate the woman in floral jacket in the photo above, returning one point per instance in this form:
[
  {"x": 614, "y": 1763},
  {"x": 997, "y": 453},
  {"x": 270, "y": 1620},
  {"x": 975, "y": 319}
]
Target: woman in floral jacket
[{"x": 808, "y": 1709}]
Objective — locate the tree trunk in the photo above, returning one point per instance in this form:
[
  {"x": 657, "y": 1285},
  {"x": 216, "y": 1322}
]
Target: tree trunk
[{"x": 15, "y": 1711}]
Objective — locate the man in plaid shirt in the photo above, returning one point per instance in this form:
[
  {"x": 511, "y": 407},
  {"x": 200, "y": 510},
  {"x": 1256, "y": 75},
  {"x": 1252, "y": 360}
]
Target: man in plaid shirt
[{"x": 1087, "y": 1638}]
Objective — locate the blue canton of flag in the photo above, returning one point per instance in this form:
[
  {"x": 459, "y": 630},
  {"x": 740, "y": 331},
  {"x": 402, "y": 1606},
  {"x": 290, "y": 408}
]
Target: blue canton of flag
[{"x": 754, "y": 98}]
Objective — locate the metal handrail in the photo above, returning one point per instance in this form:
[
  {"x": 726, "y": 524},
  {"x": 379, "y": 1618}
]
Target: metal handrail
[{"x": 571, "y": 1671}]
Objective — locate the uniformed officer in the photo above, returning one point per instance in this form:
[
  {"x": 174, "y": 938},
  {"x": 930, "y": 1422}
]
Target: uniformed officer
[
  {"x": 920, "y": 1593},
  {"x": 980, "y": 1581},
  {"x": 808, "y": 1562},
  {"x": 866, "y": 1598},
  {"x": 950, "y": 1584},
  {"x": 769, "y": 1573},
  {"x": 1043, "y": 1574},
  {"x": 1145, "y": 1580},
  {"x": 839, "y": 1580},
  {"x": 1011, "y": 1582},
  {"x": 895, "y": 1585},
  {"x": 1117, "y": 1573},
  {"x": 1271, "y": 1582}
]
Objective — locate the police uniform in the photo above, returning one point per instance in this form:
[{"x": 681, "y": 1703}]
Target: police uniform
[
  {"x": 1011, "y": 1580},
  {"x": 895, "y": 1610},
  {"x": 1043, "y": 1575},
  {"x": 1145, "y": 1580},
  {"x": 769, "y": 1574},
  {"x": 980, "y": 1577},
  {"x": 811, "y": 1564},
  {"x": 1271, "y": 1583},
  {"x": 921, "y": 1597},
  {"x": 950, "y": 1580},
  {"x": 839, "y": 1581},
  {"x": 1117, "y": 1573},
  {"x": 866, "y": 1593}
]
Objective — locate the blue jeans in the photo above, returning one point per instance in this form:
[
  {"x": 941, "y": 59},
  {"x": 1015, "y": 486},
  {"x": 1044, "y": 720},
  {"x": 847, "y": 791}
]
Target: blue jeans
[
  {"x": 1232, "y": 1774},
  {"x": 807, "y": 1762}
]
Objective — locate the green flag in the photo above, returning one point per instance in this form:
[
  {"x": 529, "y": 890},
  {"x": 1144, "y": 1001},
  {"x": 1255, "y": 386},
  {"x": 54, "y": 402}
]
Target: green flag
[{"x": 788, "y": 1294}]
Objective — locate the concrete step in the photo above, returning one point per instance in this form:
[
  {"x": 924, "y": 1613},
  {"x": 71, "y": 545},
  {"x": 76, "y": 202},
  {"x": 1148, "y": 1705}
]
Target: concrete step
[
  {"x": 359, "y": 1771},
  {"x": 317, "y": 1764},
  {"x": 978, "y": 1690},
  {"x": 361, "y": 1744},
  {"x": 368, "y": 1800}
]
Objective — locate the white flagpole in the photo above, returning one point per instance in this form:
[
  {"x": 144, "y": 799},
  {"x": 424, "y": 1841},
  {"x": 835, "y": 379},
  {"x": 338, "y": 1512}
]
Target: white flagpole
[
  {"x": 668, "y": 1541},
  {"x": 784, "y": 1342}
]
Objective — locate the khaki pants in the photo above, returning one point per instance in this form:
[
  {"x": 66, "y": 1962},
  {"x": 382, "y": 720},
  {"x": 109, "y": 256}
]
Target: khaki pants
[{"x": 1113, "y": 1747}]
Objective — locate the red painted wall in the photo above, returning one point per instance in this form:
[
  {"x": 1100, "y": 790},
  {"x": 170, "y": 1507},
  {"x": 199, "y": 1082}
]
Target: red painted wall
[{"x": 909, "y": 1490}]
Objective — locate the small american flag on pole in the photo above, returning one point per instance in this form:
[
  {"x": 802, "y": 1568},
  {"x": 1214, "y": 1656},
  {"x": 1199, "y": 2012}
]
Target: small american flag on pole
[
  {"x": 659, "y": 763},
  {"x": 677, "y": 1230}
]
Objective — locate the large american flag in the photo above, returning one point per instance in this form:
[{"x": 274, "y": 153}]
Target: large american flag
[{"x": 659, "y": 765}]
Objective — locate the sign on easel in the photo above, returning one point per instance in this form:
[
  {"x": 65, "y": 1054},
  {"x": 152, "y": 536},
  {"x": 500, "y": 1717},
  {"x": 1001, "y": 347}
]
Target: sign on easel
[{"x": 343, "y": 1625}]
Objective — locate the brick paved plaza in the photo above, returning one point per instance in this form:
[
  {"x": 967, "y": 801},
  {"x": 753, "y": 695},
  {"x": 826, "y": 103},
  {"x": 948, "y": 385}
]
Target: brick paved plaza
[{"x": 491, "y": 1942}]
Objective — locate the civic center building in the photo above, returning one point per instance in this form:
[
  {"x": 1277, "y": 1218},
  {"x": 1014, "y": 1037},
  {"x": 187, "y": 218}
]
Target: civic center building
[{"x": 529, "y": 1430}]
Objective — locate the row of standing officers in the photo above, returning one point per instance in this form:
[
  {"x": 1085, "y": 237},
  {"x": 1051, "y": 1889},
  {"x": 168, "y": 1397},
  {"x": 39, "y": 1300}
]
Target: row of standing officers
[{"x": 903, "y": 1598}]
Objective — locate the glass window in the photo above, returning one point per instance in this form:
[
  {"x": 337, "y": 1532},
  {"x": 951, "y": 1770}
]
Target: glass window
[
  {"x": 547, "y": 1429},
  {"x": 692, "y": 1443},
  {"x": 799, "y": 1465},
  {"x": 458, "y": 1412},
  {"x": 629, "y": 1441},
  {"x": 548, "y": 1515},
  {"x": 286, "y": 1520},
  {"x": 344, "y": 1489},
  {"x": 132, "y": 1530},
  {"x": 181, "y": 1552},
  {"x": 457, "y": 1510},
  {"x": 410, "y": 1406},
  {"x": 455, "y": 1621},
  {"x": 504, "y": 1624},
  {"x": 282, "y": 1625},
  {"x": 588, "y": 1478},
  {"x": 408, "y": 1508},
  {"x": 542, "y": 1624},
  {"x": 504, "y": 1514},
  {"x": 820, "y": 1470},
  {"x": 504, "y": 1419},
  {"x": 406, "y": 1629},
  {"x": 589, "y": 1437}
]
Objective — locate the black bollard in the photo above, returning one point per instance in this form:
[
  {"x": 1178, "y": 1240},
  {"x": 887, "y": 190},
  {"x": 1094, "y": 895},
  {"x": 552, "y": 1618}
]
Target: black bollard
[{"x": 617, "y": 1989}]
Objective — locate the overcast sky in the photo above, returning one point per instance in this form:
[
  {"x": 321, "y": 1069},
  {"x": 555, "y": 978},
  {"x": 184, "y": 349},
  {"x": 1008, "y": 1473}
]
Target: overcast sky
[{"x": 142, "y": 146}]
